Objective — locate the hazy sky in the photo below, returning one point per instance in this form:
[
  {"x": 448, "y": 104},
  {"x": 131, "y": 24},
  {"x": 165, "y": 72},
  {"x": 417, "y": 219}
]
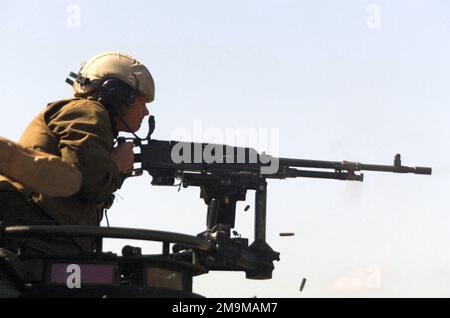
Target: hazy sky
[{"x": 335, "y": 80}]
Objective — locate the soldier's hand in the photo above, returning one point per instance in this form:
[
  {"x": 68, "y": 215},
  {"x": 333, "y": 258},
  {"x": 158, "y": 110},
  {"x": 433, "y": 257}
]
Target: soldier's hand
[{"x": 123, "y": 156}]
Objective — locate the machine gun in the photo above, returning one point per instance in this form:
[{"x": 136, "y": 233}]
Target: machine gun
[{"x": 224, "y": 174}]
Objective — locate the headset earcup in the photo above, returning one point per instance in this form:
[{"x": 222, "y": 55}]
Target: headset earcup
[{"x": 113, "y": 93}]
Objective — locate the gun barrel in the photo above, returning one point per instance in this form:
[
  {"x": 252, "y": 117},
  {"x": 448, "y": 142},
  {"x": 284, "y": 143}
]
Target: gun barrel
[
  {"x": 396, "y": 169},
  {"x": 352, "y": 166},
  {"x": 423, "y": 170}
]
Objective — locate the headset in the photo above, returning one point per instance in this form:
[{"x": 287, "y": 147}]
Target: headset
[{"x": 112, "y": 93}]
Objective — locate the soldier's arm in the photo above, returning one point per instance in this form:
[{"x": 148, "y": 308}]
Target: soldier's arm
[{"x": 85, "y": 139}]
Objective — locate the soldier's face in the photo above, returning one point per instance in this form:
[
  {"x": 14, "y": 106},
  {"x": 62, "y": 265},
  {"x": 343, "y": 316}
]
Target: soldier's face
[{"x": 135, "y": 115}]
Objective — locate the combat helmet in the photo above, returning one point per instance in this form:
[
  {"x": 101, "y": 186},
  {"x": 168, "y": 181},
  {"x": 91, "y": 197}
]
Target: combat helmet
[{"x": 113, "y": 65}]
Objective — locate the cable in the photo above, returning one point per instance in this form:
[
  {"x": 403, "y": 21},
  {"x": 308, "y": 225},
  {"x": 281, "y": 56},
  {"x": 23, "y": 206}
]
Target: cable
[
  {"x": 106, "y": 217},
  {"x": 129, "y": 129}
]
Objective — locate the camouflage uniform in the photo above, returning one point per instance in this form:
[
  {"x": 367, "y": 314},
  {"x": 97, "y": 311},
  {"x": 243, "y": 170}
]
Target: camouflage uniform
[{"x": 80, "y": 131}]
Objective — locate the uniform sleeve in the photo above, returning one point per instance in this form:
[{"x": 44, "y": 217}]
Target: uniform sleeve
[{"x": 85, "y": 140}]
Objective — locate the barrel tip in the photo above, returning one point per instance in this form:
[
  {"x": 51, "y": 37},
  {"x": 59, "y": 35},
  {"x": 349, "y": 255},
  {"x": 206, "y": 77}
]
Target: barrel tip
[{"x": 423, "y": 170}]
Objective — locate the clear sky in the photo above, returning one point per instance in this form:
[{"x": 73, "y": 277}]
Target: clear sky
[{"x": 335, "y": 80}]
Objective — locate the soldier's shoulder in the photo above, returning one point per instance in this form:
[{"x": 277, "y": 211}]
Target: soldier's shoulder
[
  {"x": 84, "y": 104},
  {"x": 76, "y": 107}
]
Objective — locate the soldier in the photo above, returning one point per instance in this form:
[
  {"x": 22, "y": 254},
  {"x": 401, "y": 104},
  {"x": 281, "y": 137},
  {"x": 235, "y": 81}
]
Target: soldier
[{"x": 65, "y": 167}]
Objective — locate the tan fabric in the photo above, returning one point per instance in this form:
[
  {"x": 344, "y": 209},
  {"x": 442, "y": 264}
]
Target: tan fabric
[
  {"x": 78, "y": 130},
  {"x": 34, "y": 170}
]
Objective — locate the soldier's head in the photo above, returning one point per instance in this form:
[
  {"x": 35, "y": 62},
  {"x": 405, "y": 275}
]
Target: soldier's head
[{"x": 120, "y": 83}]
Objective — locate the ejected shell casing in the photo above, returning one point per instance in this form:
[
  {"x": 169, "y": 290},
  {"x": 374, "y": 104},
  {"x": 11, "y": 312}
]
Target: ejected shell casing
[{"x": 287, "y": 234}]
